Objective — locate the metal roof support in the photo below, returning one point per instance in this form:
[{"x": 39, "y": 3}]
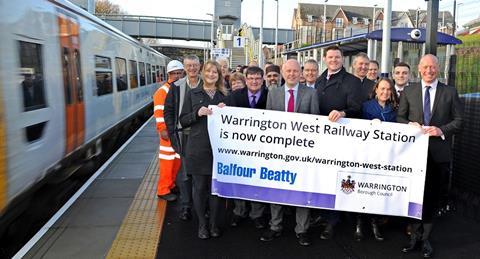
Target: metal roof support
[
  {"x": 387, "y": 20},
  {"x": 432, "y": 26}
]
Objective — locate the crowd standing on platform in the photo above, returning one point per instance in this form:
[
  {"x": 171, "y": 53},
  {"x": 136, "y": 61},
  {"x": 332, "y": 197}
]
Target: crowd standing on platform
[{"x": 181, "y": 110}]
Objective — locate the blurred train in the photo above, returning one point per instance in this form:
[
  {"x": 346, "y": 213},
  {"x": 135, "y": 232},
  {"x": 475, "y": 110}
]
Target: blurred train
[{"x": 69, "y": 83}]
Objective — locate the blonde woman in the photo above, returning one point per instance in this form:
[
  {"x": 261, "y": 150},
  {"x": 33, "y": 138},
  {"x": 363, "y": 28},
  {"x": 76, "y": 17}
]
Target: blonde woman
[{"x": 198, "y": 151}]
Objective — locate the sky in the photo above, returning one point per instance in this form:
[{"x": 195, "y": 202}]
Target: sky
[{"x": 197, "y": 9}]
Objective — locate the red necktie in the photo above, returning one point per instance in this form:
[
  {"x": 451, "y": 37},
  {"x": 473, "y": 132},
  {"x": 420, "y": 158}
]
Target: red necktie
[{"x": 291, "y": 102}]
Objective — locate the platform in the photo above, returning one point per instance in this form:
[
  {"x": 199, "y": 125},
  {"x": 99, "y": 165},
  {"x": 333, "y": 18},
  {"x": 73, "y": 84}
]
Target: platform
[{"x": 119, "y": 216}]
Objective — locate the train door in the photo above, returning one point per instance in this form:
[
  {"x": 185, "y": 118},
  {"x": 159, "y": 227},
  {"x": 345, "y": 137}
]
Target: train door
[{"x": 69, "y": 30}]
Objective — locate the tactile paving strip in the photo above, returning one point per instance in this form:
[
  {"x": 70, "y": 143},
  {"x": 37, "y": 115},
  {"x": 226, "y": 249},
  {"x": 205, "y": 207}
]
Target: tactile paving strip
[{"x": 139, "y": 234}]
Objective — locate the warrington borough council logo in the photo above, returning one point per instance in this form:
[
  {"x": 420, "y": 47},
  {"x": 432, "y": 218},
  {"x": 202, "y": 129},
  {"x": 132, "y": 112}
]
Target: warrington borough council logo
[{"x": 348, "y": 186}]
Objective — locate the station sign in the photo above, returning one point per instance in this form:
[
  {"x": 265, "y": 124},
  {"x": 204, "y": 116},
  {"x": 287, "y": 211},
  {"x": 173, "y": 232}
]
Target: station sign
[{"x": 239, "y": 42}]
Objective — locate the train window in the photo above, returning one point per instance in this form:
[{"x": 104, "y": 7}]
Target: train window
[
  {"x": 133, "y": 74},
  {"x": 154, "y": 73},
  {"x": 121, "y": 73},
  {"x": 76, "y": 56},
  {"x": 149, "y": 74},
  {"x": 103, "y": 74},
  {"x": 31, "y": 73},
  {"x": 142, "y": 73}
]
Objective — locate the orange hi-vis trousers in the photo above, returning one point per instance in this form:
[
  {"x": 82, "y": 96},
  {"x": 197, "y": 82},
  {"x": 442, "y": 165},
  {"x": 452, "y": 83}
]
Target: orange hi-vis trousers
[
  {"x": 169, "y": 160},
  {"x": 169, "y": 164}
]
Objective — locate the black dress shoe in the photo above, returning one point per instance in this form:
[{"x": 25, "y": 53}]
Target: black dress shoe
[
  {"x": 185, "y": 214},
  {"x": 236, "y": 221},
  {"x": 427, "y": 249},
  {"x": 168, "y": 197},
  {"x": 258, "y": 223},
  {"x": 376, "y": 232},
  {"x": 327, "y": 232},
  {"x": 269, "y": 235},
  {"x": 412, "y": 245},
  {"x": 304, "y": 239},
  {"x": 203, "y": 232},
  {"x": 215, "y": 231}
]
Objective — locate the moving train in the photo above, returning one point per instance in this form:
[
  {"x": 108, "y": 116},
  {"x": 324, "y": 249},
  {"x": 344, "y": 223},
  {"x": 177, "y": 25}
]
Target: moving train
[{"x": 69, "y": 83}]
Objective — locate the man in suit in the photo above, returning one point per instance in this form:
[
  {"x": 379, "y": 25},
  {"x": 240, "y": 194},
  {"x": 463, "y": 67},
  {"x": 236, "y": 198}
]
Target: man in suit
[
  {"x": 401, "y": 76},
  {"x": 339, "y": 96},
  {"x": 437, "y": 109},
  {"x": 360, "y": 70},
  {"x": 291, "y": 97},
  {"x": 179, "y": 136},
  {"x": 253, "y": 96},
  {"x": 373, "y": 70},
  {"x": 310, "y": 72}
]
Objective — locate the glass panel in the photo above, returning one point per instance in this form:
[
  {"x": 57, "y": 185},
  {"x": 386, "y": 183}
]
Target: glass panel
[
  {"x": 102, "y": 62},
  {"x": 149, "y": 74},
  {"x": 31, "y": 72},
  {"x": 121, "y": 70},
  {"x": 104, "y": 83},
  {"x": 133, "y": 74},
  {"x": 142, "y": 74}
]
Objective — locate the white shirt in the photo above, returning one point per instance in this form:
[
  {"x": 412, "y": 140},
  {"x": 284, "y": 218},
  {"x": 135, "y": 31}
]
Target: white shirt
[{"x": 400, "y": 89}]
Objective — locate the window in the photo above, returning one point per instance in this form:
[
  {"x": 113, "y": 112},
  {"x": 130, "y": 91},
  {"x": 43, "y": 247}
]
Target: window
[
  {"x": 354, "y": 20},
  {"x": 103, "y": 74},
  {"x": 154, "y": 73},
  {"x": 338, "y": 22},
  {"x": 121, "y": 72},
  {"x": 149, "y": 74},
  {"x": 310, "y": 18},
  {"x": 133, "y": 74},
  {"x": 142, "y": 73},
  {"x": 31, "y": 73},
  {"x": 366, "y": 21},
  {"x": 378, "y": 24}
]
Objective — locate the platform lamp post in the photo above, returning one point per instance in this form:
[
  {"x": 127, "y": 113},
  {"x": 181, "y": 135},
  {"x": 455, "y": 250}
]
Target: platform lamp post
[
  {"x": 260, "y": 41},
  {"x": 211, "y": 34},
  {"x": 325, "y": 21},
  {"x": 387, "y": 19},
  {"x": 276, "y": 37}
]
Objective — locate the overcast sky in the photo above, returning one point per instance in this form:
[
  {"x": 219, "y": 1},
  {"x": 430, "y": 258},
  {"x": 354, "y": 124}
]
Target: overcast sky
[{"x": 197, "y": 9}]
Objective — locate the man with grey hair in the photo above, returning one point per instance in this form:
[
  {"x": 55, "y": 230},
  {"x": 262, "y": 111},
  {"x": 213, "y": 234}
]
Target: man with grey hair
[
  {"x": 360, "y": 69},
  {"x": 310, "y": 72},
  {"x": 436, "y": 109},
  {"x": 179, "y": 136}
]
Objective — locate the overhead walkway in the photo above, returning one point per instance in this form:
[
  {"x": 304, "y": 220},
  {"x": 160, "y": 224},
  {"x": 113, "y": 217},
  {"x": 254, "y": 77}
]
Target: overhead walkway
[{"x": 181, "y": 29}]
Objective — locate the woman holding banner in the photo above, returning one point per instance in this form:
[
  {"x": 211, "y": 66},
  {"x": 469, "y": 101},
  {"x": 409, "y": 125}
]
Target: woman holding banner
[
  {"x": 382, "y": 106},
  {"x": 198, "y": 152}
]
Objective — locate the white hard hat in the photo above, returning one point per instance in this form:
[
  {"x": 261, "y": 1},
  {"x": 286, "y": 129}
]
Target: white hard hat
[{"x": 174, "y": 65}]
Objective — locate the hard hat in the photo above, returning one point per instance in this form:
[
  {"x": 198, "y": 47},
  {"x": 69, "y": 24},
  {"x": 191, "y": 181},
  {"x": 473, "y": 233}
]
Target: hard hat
[{"x": 174, "y": 65}]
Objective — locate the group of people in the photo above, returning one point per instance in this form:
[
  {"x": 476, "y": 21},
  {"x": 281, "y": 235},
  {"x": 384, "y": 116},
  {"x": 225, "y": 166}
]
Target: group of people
[{"x": 181, "y": 110}]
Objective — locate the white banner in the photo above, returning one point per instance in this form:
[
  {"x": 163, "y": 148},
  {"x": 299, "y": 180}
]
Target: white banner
[{"x": 306, "y": 160}]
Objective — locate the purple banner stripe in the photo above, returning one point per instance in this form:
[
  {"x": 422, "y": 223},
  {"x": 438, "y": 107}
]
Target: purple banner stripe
[
  {"x": 415, "y": 210},
  {"x": 289, "y": 197}
]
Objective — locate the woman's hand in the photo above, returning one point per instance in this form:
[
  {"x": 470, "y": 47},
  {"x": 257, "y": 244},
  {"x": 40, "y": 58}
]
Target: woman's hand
[
  {"x": 203, "y": 111},
  {"x": 221, "y": 105}
]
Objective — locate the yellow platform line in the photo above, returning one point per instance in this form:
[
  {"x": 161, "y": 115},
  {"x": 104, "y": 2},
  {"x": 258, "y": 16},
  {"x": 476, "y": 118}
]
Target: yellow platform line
[{"x": 139, "y": 233}]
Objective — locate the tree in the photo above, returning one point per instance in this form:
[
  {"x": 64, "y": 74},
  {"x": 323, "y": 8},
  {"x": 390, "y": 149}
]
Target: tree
[{"x": 107, "y": 7}]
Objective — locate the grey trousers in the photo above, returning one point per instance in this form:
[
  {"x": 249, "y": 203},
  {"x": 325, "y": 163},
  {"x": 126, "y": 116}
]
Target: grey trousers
[
  {"x": 302, "y": 218},
  {"x": 256, "y": 210}
]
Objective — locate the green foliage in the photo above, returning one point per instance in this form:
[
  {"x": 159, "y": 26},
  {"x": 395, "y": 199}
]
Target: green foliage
[{"x": 468, "y": 64}]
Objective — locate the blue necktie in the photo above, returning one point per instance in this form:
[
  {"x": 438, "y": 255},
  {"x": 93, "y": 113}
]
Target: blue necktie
[
  {"x": 253, "y": 103},
  {"x": 427, "y": 113}
]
